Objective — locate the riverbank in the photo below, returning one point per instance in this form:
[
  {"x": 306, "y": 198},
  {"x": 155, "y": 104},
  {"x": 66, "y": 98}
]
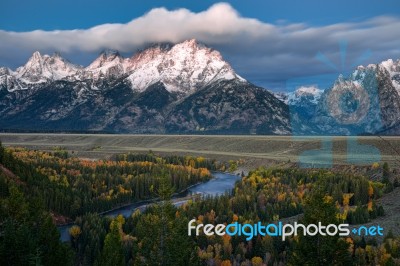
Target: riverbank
[
  {"x": 59, "y": 221},
  {"x": 220, "y": 183}
]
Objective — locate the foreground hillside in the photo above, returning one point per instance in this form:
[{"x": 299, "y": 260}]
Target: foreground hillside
[{"x": 55, "y": 182}]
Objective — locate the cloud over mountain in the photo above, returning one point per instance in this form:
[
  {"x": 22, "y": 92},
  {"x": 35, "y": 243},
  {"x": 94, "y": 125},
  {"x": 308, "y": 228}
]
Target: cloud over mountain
[{"x": 264, "y": 53}]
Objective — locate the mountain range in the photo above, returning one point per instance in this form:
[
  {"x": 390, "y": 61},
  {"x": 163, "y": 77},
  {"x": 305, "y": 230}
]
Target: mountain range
[
  {"x": 186, "y": 88},
  {"x": 366, "y": 102}
]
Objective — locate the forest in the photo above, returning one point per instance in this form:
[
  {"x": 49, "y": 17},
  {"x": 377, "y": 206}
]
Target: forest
[
  {"x": 72, "y": 187},
  {"x": 36, "y": 185}
]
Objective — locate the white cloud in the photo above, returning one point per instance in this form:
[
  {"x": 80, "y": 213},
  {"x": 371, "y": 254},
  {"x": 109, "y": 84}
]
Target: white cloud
[{"x": 262, "y": 52}]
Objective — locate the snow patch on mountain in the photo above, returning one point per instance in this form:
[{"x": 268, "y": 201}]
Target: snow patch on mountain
[
  {"x": 282, "y": 96},
  {"x": 390, "y": 65},
  {"x": 393, "y": 67},
  {"x": 311, "y": 94}
]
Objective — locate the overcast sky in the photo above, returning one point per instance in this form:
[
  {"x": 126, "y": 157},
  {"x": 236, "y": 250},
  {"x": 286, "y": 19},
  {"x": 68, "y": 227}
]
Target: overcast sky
[{"x": 266, "y": 42}]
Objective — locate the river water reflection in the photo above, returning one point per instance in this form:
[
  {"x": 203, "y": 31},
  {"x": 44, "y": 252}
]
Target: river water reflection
[{"x": 220, "y": 183}]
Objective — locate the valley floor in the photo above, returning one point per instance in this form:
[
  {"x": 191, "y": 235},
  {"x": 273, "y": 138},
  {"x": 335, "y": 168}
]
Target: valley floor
[{"x": 253, "y": 150}]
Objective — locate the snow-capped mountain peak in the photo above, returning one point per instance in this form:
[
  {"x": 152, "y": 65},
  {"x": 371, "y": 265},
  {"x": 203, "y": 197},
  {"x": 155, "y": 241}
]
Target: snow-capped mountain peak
[
  {"x": 105, "y": 58},
  {"x": 4, "y": 71},
  {"x": 311, "y": 90},
  {"x": 109, "y": 64},
  {"x": 32, "y": 71},
  {"x": 392, "y": 67},
  {"x": 35, "y": 58},
  {"x": 309, "y": 94},
  {"x": 183, "y": 67},
  {"x": 43, "y": 68}
]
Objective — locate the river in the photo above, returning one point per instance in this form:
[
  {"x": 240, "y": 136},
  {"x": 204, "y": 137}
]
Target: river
[{"x": 219, "y": 184}]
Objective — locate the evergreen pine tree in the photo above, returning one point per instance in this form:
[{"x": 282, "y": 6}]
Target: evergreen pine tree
[
  {"x": 385, "y": 173},
  {"x": 113, "y": 253},
  {"x": 320, "y": 250}
]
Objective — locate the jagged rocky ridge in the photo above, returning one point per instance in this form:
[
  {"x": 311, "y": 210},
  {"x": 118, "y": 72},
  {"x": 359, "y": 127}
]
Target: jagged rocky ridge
[
  {"x": 182, "y": 88},
  {"x": 366, "y": 102},
  {"x": 189, "y": 88}
]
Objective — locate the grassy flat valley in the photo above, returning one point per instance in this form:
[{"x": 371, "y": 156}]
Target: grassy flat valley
[{"x": 253, "y": 149}]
